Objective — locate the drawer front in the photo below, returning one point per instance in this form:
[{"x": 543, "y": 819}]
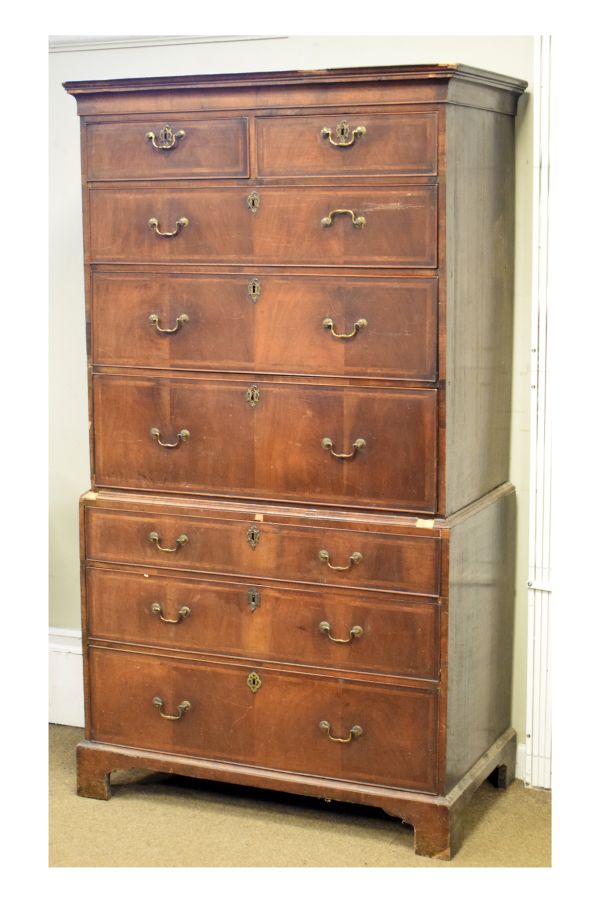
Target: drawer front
[
  {"x": 334, "y": 144},
  {"x": 400, "y": 226},
  {"x": 342, "y": 630},
  {"x": 402, "y": 563},
  {"x": 269, "y": 324},
  {"x": 277, "y": 726},
  {"x": 271, "y": 446},
  {"x": 209, "y": 148}
]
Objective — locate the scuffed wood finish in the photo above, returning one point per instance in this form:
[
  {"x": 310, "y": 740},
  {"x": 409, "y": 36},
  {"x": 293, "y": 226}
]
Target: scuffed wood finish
[
  {"x": 409, "y": 543},
  {"x": 273, "y": 449},
  {"x": 400, "y": 230},
  {"x": 439, "y": 825},
  {"x": 396, "y": 562},
  {"x": 399, "y": 634},
  {"x": 279, "y": 331}
]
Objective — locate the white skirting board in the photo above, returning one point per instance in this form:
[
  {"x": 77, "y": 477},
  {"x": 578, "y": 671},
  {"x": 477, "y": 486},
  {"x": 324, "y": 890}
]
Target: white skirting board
[
  {"x": 66, "y": 677},
  {"x": 66, "y": 684}
]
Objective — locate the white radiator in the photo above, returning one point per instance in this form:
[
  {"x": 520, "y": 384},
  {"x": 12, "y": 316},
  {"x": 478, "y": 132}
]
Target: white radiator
[{"x": 538, "y": 745}]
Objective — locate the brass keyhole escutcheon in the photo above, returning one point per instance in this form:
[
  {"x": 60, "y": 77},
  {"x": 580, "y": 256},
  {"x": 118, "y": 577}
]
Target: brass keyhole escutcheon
[
  {"x": 252, "y": 396},
  {"x": 254, "y": 290},
  {"x": 253, "y": 536},
  {"x": 253, "y": 599},
  {"x": 254, "y": 681},
  {"x": 253, "y": 202}
]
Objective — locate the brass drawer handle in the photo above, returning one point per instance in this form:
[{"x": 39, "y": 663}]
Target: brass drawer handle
[
  {"x": 344, "y": 134},
  {"x": 155, "y": 321},
  {"x": 355, "y": 731},
  {"x": 358, "y": 221},
  {"x": 167, "y": 137},
  {"x": 327, "y": 444},
  {"x": 182, "y": 708},
  {"x": 355, "y": 558},
  {"x": 325, "y": 627},
  {"x": 328, "y": 324},
  {"x": 184, "y": 612},
  {"x": 180, "y": 541},
  {"x": 182, "y": 436},
  {"x": 180, "y": 224}
]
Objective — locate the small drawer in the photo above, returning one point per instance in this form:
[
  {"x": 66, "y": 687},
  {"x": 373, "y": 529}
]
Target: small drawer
[
  {"x": 332, "y": 630},
  {"x": 290, "y": 442},
  {"x": 399, "y": 562},
  {"x": 267, "y": 324},
  {"x": 167, "y": 149},
  {"x": 351, "y": 144},
  {"x": 261, "y": 717},
  {"x": 354, "y": 226}
]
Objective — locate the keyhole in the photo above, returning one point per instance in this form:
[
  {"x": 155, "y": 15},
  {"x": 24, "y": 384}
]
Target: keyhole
[
  {"x": 253, "y": 202},
  {"x": 253, "y": 599},
  {"x": 254, "y": 290},
  {"x": 253, "y": 536},
  {"x": 252, "y": 396},
  {"x": 254, "y": 681},
  {"x": 166, "y": 135}
]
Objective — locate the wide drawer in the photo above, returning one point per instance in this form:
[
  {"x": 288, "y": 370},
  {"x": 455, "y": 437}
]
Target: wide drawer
[
  {"x": 357, "y": 144},
  {"x": 270, "y": 324},
  {"x": 279, "y": 725},
  {"x": 281, "y": 225},
  {"x": 208, "y": 148},
  {"x": 268, "y": 440},
  {"x": 307, "y": 626},
  {"x": 215, "y": 545}
]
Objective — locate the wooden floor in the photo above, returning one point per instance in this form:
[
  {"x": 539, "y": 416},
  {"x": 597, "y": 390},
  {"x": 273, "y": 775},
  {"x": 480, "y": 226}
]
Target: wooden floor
[{"x": 168, "y": 821}]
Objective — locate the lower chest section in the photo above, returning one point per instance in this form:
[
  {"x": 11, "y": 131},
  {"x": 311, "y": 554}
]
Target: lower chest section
[{"x": 293, "y": 643}]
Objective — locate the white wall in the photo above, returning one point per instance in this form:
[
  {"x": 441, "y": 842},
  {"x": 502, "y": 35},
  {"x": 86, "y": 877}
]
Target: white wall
[{"x": 69, "y": 463}]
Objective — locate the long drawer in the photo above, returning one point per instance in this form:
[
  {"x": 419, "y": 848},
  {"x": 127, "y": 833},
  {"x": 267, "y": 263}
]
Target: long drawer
[
  {"x": 366, "y": 560},
  {"x": 333, "y": 325},
  {"x": 334, "y": 630},
  {"x": 268, "y": 440},
  {"x": 394, "y": 227},
  {"x": 266, "y": 718}
]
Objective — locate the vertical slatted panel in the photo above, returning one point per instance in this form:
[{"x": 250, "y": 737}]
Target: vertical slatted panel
[{"x": 538, "y": 740}]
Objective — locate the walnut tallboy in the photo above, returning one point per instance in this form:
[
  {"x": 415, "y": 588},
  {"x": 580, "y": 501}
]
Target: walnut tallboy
[{"x": 297, "y": 554}]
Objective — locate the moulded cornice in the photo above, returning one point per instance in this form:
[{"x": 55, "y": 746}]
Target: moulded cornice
[{"x": 71, "y": 43}]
